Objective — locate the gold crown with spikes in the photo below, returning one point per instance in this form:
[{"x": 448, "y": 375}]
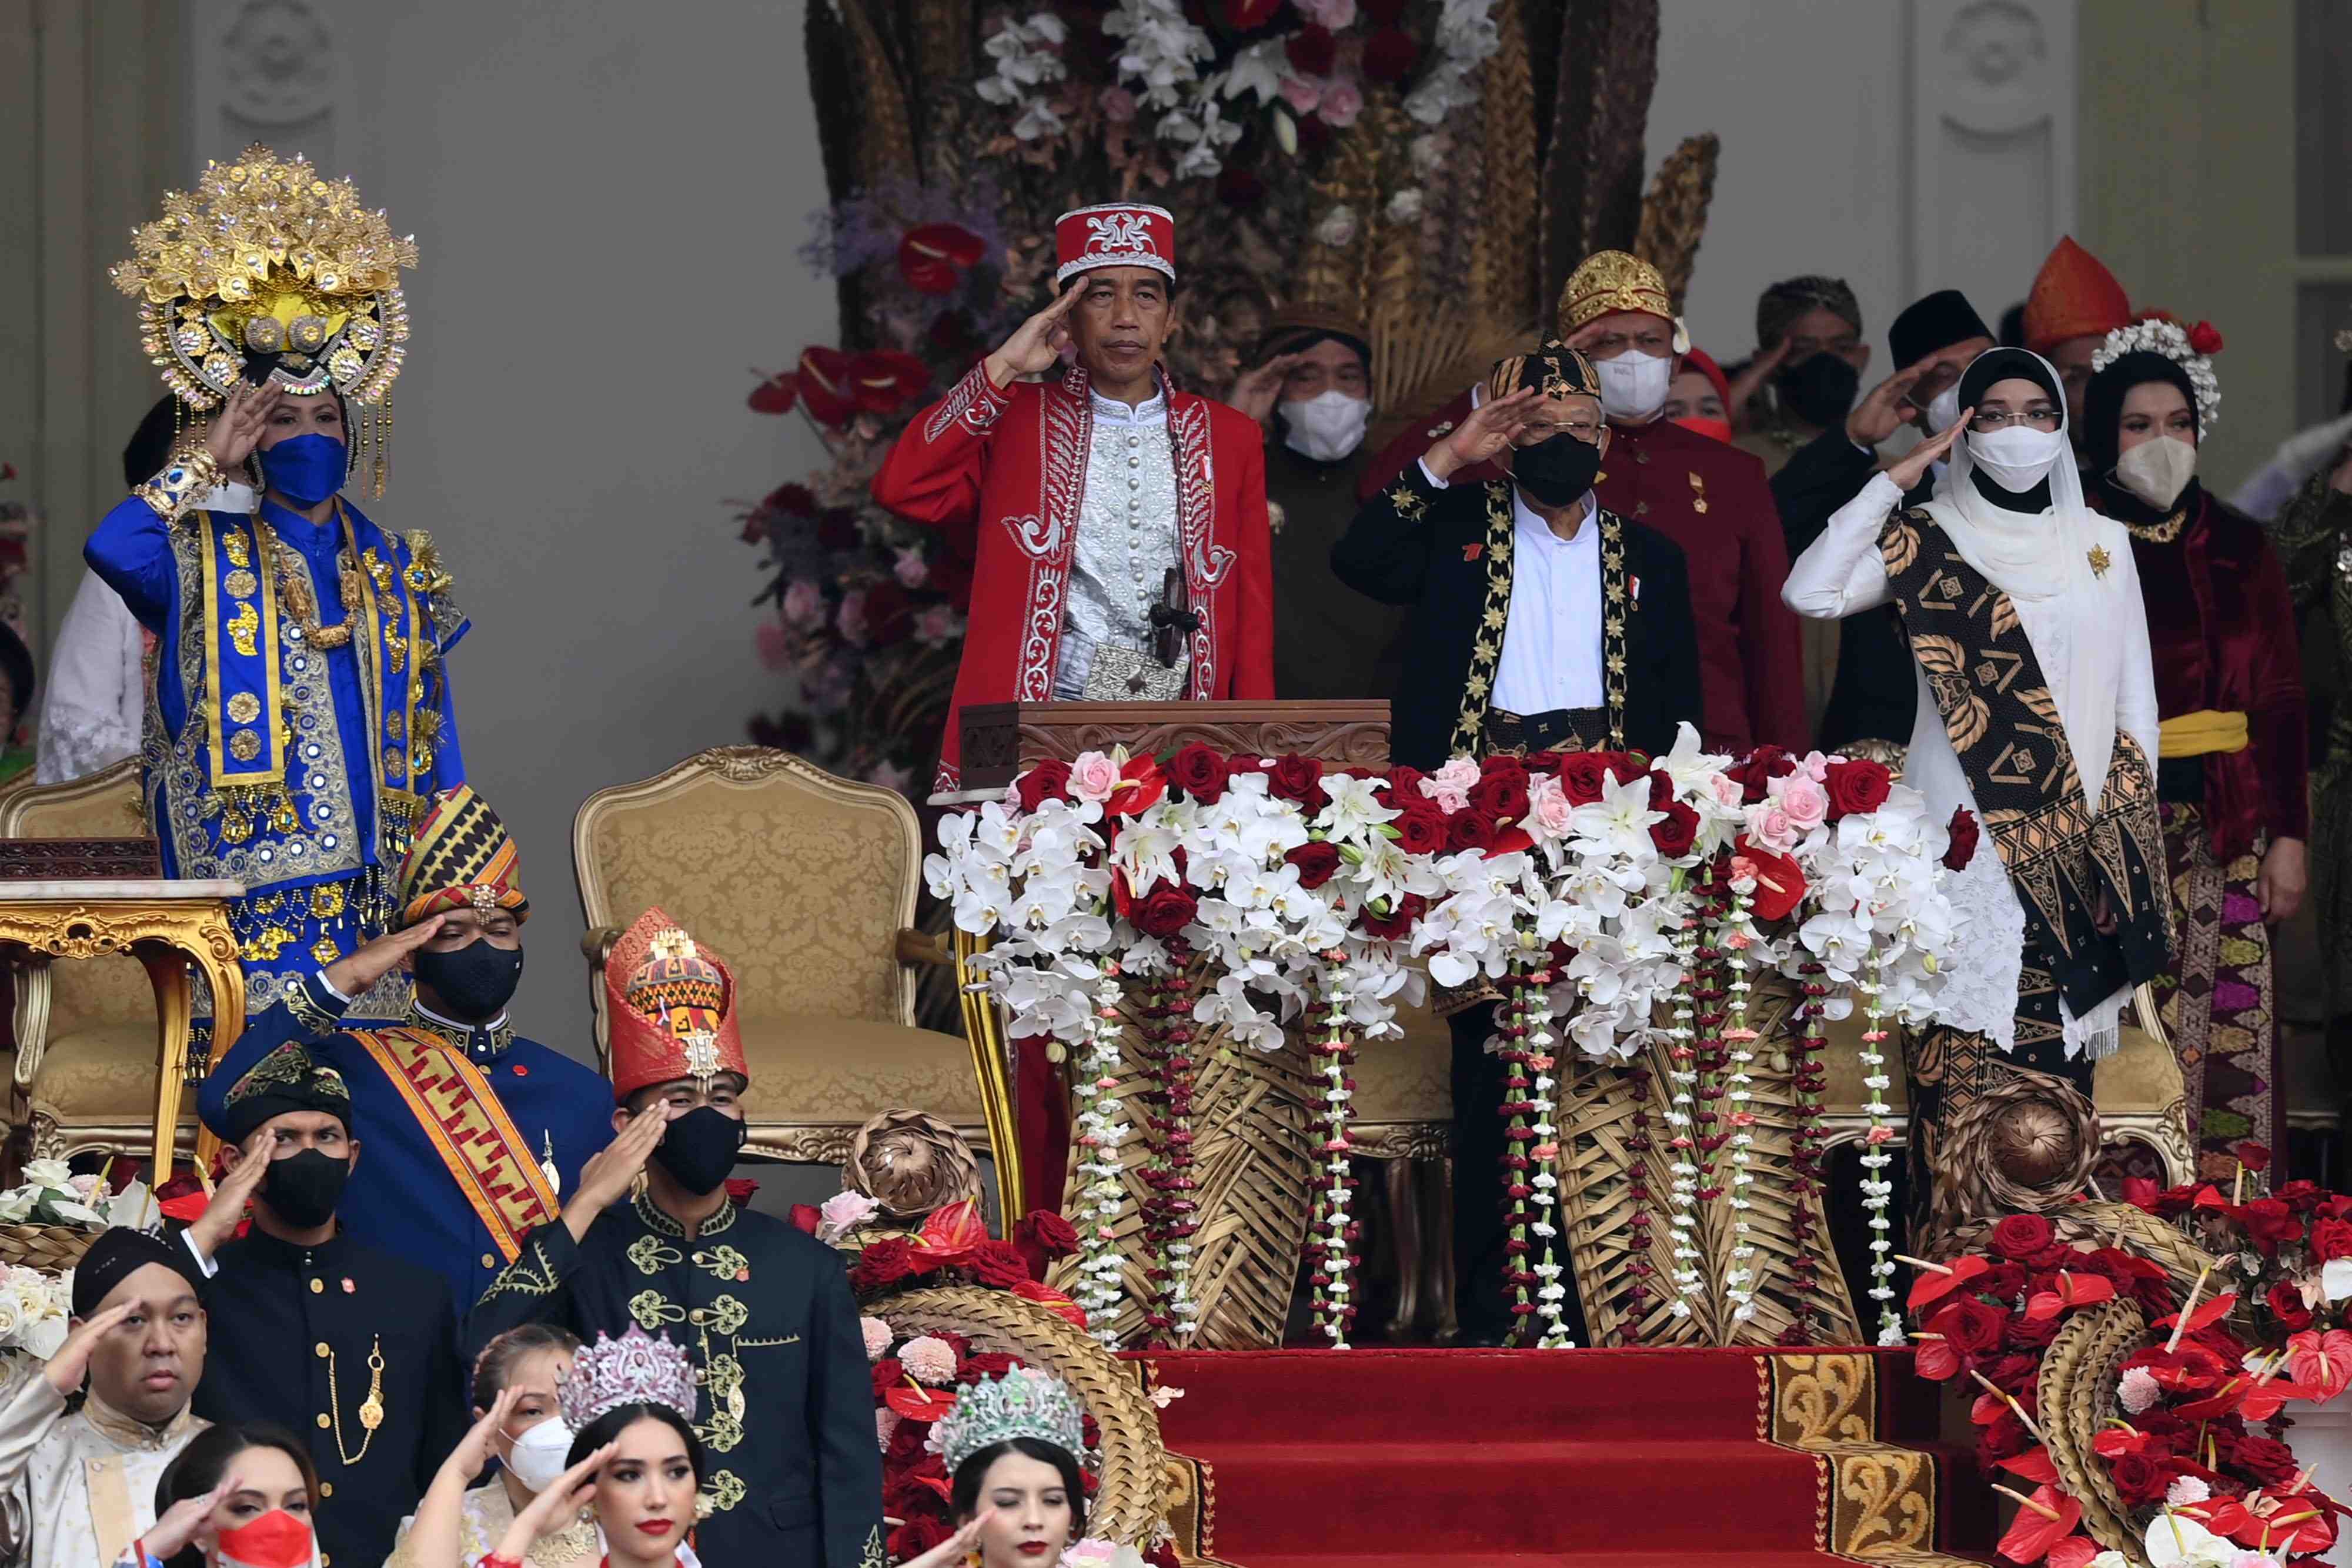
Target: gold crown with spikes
[
  {"x": 1617, "y": 281},
  {"x": 265, "y": 264}
]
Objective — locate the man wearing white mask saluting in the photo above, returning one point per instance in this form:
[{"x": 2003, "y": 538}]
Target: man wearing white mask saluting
[{"x": 1311, "y": 390}]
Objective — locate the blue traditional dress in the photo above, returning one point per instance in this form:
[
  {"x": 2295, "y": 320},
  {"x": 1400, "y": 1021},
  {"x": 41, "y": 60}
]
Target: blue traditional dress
[{"x": 299, "y": 714}]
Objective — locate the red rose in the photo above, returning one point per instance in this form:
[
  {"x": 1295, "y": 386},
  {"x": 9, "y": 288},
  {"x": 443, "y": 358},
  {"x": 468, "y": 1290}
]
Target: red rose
[
  {"x": 1541, "y": 762},
  {"x": 1677, "y": 833},
  {"x": 916, "y": 1536},
  {"x": 1201, "y": 772},
  {"x": 2032, "y": 1333},
  {"x": 2004, "y": 1281},
  {"x": 1390, "y": 55},
  {"x": 1661, "y": 791},
  {"x": 2331, "y": 1240},
  {"x": 2271, "y": 1462},
  {"x": 1970, "y": 1326},
  {"x": 807, "y": 1217},
  {"x": 2252, "y": 1155},
  {"x": 2285, "y": 1302},
  {"x": 1049, "y": 781},
  {"x": 1311, "y": 50},
  {"x": 1316, "y": 862},
  {"x": 1963, "y": 830},
  {"x": 982, "y": 1363},
  {"x": 1758, "y": 768},
  {"x": 2205, "y": 339},
  {"x": 998, "y": 1263},
  {"x": 1299, "y": 778},
  {"x": 1581, "y": 776},
  {"x": 2004, "y": 1439},
  {"x": 2302, "y": 1196},
  {"x": 2269, "y": 1222},
  {"x": 1398, "y": 925},
  {"x": 2021, "y": 1235},
  {"x": 882, "y": 1264},
  {"x": 885, "y": 1374},
  {"x": 1468, "y": 828},
  {"x": 1165, "y": 911},
  {"x": 1855, "y": 787},
  {"x": 1420, "y": 829},
  {"x": 1042, "y": 1238},
  {"x": 2140, "y": 1479},
  {"x": 1404, "y": 785},
  {"x": 1502, "y": 796},
  {"x": 743, "y": 1188}
]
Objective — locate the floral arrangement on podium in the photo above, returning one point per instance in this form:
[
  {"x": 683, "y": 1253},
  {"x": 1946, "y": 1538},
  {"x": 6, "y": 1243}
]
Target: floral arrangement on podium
[
  {"x": 1169, "y": 922},
  {"x": 2140, "y": 1398}
]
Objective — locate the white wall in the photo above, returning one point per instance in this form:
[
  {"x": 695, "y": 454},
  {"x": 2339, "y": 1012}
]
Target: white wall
[{"x": 607, "y": 197}]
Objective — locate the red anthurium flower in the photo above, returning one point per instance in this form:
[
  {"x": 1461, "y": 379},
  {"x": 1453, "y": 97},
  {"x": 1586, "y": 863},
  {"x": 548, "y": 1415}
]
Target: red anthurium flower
[
  {"x": 2263, "y": 1400},
  {"x": 2210, "y": 1197},
  {"x": 2074, "y": 1552},
  {"x": 2073, "y": 1290},
  {"x": 1053, "y": 1300},
  {"x": 1141, "y": 785},
  {"x": 1931, "y": 1286},
  {"x": 2047, "y": 1518},
  {"x": 1936, "y": 1361},
  {"x": 777, "y": 394},
  {"x": 825, "y": 387},
  {"x": 2141, "y": 1193},
  {"x": 2115, "y": 1442},
  {"x": 2322, "y": 1361},
  {"x": 885, "y": 380},
  {"x": 950, "y": 1235},
  {"x": 938, "y": 1484},
  {"x": 2035, "y": 1465},
  {"x": 2208, "y": 1313},
  {"x": 932, "y": 258},
  {"x": 1780, "y": 882},
  {"x": 919, "y": 1404}
]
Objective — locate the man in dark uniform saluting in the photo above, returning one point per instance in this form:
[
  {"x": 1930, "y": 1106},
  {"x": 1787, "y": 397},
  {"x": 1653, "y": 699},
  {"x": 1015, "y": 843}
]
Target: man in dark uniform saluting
[
  {"x": 353, "y": 1350},
  {"x": 764, "y": 1310}
]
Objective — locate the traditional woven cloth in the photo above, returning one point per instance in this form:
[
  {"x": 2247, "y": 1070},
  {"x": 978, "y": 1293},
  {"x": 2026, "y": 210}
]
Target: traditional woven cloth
[
  {"x": 462, "y": 857},
  {"x": 2219, "y": 1003}
]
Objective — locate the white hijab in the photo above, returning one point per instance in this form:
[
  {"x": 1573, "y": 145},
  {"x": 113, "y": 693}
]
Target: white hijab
[{"x": 2030, "y": 556}]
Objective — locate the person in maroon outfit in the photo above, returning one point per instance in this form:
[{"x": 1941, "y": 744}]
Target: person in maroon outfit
[
  {"x": 1708, "y": 496},
  {"x": 2232, "y": 767}
]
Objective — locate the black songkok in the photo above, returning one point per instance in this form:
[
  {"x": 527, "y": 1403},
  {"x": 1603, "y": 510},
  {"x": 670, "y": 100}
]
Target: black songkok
[
  {"x": 1938, "y": 321},
  {"x": 117, "y": 1254},
  {"x": 1555, "y": 370},
  {"x": 287, "y": 1079}
]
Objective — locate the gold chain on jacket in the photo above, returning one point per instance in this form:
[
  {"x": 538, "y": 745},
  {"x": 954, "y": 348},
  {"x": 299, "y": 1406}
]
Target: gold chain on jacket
[{"x": 370, "y": 1409}]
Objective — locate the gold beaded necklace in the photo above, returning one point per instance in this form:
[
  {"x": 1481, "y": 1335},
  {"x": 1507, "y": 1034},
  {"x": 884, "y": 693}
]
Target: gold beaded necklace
[
  {"x": 2162, "y": 533},
  {"x": 294, "y": 587}
]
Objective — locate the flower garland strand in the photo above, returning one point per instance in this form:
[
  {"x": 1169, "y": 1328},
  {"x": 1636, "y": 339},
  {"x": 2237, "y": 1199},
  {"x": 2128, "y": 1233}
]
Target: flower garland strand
[
  {"x": 1099, "y": 1133},
  {"x": 1330, "y": 1252},
  {"x": 1739, "y": 1281},
  {"x": 1681, "y": 1106},
  {"x": 1878, "y": 1192},
  {"x": 1519, "y": 1140},
  {"x": 1169, "y": 1210},
  {"x": 1543, "y": 1062},
  {"x": 1639, "y": 1270},
  {"x": 1807, "y": 1078}
]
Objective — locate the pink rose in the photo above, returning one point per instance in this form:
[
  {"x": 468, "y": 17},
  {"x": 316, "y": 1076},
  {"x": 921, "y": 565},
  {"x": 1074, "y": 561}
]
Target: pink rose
[
  {"x": 1334, "y": 15},
  {"x": 852, "y": 618},
  {"x": 1814, "y": 765},
  {"x": 1093, "y": 777},
  {"x": 1450, "y": 785},
  {"x": 845, "y": 1211},
  {"x": 1801, "y": 797},
  {"x": 804, "y": 605},
  {"x": 1769, "y": 826},
  {"x": 774, "y": 644},
  {"x": 1118, "y": 105},
  {"x": 1549, "y": 809},
  {"x": 1302, "y": 93},
  {"x": 910, "y": 571},
  {"x": 935, "y": 624},
  {"x": 1341, "y": 103}
]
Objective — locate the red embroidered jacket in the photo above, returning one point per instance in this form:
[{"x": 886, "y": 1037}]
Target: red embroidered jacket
[{"x": 1000, "y": 473}]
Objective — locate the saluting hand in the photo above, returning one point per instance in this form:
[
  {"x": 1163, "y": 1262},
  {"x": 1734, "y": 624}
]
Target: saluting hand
[
  {"x": 607, "y": 1177},
  {"x": 1256, "y": 391},
  {"x": 246, "y": 1168},
  {"x": 66, "y": 1369},
  {"x": 552, "y": 1509},
  {"x": 1036, "y": 346},
  {"x": 355, "y": 974},
  {"x": 953, "y": 1549},
  {"x": 236, "y": 427},
  {"x": 1749, "y": 382},
  {"x": 1913, "y": 468},
  {"x": 1885, "y": 408},
  {"x": 1485, "y": 433},
  {"x": 182, "y": 1520},
  {"x": 471, "y": 1457}
]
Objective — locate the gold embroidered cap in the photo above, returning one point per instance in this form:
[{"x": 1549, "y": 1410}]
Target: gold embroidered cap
[
  {"x": 1611, "y": 280},
  {"x": 1555, "y": 370},
  {"x": 288, "y": 1078}
]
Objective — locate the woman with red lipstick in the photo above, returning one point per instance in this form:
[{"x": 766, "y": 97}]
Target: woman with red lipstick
[
  {"x": 238, "y": 1496},
  {"x": 1011, "y": 1447}
]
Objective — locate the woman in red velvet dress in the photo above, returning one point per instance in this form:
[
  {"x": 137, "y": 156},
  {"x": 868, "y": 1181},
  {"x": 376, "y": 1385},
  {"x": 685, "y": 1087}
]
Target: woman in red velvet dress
[{"x": 2232, "y": 756}]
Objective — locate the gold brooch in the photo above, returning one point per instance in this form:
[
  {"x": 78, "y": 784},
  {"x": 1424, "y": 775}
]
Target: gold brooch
[{"x": 2098, "y": 560}]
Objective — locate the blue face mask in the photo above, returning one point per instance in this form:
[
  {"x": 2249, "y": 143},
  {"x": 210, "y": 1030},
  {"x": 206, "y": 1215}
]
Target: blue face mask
[{"x": 305, "y": 469}]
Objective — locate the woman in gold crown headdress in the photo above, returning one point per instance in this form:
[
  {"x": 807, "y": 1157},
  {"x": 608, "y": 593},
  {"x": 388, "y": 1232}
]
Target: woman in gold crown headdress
[{"x": 300, "y": 712}]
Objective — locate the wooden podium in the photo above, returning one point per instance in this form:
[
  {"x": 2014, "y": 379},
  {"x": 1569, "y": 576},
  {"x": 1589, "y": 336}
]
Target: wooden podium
[{"x": 999, "y": 739}]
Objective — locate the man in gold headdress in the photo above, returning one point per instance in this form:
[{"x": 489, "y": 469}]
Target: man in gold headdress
[
  {"x": 474, "y": 1132},
  {"x": 1708, "y": 497}
]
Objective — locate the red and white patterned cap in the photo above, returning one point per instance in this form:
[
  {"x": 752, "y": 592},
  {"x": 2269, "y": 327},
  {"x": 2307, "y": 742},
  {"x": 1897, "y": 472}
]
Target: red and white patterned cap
[{"x": 1116, "y": 234}]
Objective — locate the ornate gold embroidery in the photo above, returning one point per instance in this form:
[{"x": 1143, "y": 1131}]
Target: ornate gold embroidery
[
  {"x": 1470, "y": 723},
  {"x": 725, "y": 1490},
  {"x": 530, "y": 1275},
  {"x": 724, "y": 1263},
  {"x": 725, "y": 1315},
  {"x": 652, "y": 1311},
  {"x": 872, "y": 1556},
  {"x": 651, "y": 1255},
  {"x": 242, "y": 628}
]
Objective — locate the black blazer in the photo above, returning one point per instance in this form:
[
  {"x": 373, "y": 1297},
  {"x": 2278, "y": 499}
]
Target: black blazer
[
  {"x": 1872, "y": 696},
  {"x": 1435, "y": 549}
]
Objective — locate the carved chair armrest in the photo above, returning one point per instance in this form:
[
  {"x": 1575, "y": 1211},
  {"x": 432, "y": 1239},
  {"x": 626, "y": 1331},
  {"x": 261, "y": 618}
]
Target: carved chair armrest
[
  {"x": 596, "y": 946},
  {"x": 30, "y": 971},
  {"x": 922, "y": 948}
]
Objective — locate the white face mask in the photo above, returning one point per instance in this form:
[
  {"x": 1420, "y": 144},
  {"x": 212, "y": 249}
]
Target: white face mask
[
  {"x": 1327, "y": 427},
  {"x": 1943, "y": 410},
  {"x": 2016, "y": 457},
  {"x": 540, "y": 1456},
  {"x": 2157, "y": 471},
  {"x": 1633, "y": 385}
]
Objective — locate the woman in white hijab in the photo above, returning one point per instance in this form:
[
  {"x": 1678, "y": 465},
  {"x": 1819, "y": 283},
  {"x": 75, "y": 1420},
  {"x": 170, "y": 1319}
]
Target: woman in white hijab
[{"x": 2038, "y": 717}]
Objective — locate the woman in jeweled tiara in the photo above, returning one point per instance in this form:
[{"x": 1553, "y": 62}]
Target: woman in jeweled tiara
[{"x": 1012, "y": 1448}]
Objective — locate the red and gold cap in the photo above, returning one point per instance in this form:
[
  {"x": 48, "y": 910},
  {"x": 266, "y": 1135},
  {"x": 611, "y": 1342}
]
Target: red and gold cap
[
  {"x": 1116, "y": 234},
  {"x": 671, "y": 1007},
  {"x": 1611, "y": 280},
  {"x": 2073, "y": 296}
]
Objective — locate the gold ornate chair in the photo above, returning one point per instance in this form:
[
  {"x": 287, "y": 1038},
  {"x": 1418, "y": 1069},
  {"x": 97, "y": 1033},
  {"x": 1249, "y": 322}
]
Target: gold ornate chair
[
  {"x": 1404, "y": 1120},
  {"x": 804, "y": 883},
  {"x": 85, "y": 1069}
]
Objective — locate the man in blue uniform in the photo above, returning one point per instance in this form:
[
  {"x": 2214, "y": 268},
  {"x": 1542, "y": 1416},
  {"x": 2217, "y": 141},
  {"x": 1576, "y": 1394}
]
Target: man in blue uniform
[{"x": 474, "y": 1132}]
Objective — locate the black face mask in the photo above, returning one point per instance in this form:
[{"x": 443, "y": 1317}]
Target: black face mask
[
  {"x": 474, "y": 982},
  {"x": 1820, "y": 390},
  {"x": 1557, "y": 471},
  {"x": 700, "y": 1147},
  {"x": 303, "y": 1189}
]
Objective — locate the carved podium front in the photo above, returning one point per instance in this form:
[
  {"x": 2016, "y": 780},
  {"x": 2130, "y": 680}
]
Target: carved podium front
[{"x": 999, "y": 739}]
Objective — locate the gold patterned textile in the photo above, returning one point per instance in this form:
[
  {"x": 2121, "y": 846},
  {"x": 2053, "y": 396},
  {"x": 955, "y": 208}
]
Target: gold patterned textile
[{"x": 1876, "y": 1500}]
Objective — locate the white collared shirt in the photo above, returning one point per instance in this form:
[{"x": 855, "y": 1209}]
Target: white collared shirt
[{"x": 1551, "y": 640}]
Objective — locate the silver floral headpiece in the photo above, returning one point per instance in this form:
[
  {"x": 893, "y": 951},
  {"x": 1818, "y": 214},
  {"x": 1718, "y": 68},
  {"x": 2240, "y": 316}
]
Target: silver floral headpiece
[{"x": 632, "y": 1370}]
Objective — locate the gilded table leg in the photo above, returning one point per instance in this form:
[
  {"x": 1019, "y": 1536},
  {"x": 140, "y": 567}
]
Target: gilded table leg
[
  {"x": 167, "y": 972},
  {"x": 216, "y": 951},
  {"x": 983, "y": 1026}
]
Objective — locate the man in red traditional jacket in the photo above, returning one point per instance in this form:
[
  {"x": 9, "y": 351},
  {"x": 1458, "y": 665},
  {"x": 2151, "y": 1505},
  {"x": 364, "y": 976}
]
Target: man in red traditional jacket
[
  {"x": 1110, "y": 520},
  {"x": 1708, "y": 497}
]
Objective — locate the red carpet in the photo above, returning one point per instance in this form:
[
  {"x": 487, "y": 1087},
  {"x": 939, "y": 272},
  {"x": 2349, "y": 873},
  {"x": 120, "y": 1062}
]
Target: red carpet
[{"x": 1378, "y": 1458}]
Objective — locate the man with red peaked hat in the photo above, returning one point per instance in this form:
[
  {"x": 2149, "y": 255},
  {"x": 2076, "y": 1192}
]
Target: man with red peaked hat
[
  {"x": 787, "y": 1408},
  {"x": 1709, "y": 498},
  {"x": 2074, "y": 303},
  {"x": 1115, "y": 526},
  {"x": 474, "y": 1132}
]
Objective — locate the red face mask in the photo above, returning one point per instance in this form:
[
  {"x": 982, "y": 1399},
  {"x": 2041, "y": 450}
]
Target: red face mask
[
  {"x": 1716, "y": 429},
  {"x": 276, "y": 1540}
]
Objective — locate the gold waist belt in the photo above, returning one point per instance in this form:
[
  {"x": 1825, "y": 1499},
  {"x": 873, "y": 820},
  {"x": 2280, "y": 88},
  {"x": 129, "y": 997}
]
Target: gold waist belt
[{"x": 2202, "y": 733}]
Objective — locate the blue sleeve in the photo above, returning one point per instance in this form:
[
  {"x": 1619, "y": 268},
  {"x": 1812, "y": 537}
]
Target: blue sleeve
[
  {"x": 448, "y": 761},
  {"x": 132, "y": 553},
  {"x": 313, "y": 1013}
]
